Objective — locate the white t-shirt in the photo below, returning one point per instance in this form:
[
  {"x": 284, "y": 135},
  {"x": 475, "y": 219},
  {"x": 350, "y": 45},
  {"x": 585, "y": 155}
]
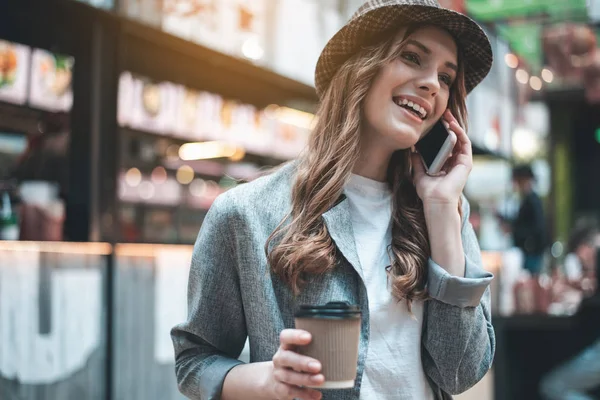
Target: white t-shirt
[{"x": 393, "y": 369}]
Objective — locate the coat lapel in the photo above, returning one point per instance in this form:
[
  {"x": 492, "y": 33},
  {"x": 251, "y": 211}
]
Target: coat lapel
[{"x": 339, "y": 225}]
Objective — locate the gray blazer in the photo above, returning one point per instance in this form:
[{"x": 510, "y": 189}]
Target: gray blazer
[{"x": 232, "y": 295}]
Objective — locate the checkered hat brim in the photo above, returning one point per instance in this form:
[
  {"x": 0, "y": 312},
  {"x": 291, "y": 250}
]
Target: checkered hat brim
[{"x": 378, "y": 16}]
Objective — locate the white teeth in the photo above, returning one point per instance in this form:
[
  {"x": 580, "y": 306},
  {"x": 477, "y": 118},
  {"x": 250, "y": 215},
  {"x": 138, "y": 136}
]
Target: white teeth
[
  {"x": 418, "y": 109},
  {"x": 414, "y": 106}
]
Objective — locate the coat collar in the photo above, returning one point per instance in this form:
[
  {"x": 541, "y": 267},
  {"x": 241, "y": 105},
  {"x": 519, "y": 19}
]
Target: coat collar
[
  {"x": 339, "y": 225},
  {"x": 337, "y": 219}
]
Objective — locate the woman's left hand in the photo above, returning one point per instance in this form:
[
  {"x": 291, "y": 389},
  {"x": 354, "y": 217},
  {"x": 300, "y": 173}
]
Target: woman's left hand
[{"x": 447, "y": 187}]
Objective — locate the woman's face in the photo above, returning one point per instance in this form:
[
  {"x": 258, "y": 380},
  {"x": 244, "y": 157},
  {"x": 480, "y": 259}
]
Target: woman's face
[{"x": 410, "y": 94}]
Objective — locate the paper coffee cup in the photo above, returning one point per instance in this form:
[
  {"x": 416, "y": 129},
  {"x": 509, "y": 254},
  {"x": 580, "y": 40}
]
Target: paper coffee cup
[{"x": 335, "y": 330}]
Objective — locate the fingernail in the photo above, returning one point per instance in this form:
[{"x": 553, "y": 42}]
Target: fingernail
[
  {"x": 305, "y": 336},
  {"x": 314, "y": 365},
  {"x": 317, "y": 378}
]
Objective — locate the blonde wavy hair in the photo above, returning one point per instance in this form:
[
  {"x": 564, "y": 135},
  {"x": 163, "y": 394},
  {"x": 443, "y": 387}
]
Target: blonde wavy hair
[{"x": 302, "y": 244}]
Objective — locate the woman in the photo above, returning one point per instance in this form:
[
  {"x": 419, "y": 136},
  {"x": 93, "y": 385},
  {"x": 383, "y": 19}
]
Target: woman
[{"x": 352, "y": 221}]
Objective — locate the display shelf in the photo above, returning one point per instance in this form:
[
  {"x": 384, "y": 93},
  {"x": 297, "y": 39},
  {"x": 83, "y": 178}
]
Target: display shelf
[
  {"x": 260, "y": 159},
  {"x": 199, "y": 67}
]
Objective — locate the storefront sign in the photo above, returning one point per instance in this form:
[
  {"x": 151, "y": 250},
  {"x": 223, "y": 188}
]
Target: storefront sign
[
  {"x": 37, "y": 358},
  {"x": 494, "y": 10}
]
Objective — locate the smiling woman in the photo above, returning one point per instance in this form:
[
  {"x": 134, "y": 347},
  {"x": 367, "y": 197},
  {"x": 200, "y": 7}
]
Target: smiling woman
[
  {"x": 417, "y": 76},
  {"x": 355, "y": 219}
]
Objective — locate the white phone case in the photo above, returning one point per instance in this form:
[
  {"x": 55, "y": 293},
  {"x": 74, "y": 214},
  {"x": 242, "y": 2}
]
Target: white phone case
[{"x": 442, "y": 155}]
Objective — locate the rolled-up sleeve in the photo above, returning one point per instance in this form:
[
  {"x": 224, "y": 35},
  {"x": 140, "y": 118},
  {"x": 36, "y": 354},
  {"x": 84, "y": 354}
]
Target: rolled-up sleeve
[
  {"x": 208, "y": 344},
  {"x": 455, "y": 290},
  {"x": 458, "y": 336}
]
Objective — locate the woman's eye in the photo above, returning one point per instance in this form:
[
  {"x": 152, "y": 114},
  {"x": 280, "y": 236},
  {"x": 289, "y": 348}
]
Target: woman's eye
[
  {"x": 412, "y": 57},
  {"x": 446, "y": 79}
]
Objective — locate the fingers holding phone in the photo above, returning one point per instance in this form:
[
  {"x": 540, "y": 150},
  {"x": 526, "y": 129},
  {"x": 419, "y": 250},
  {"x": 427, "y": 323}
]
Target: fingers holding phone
[
  {"x": 443, "y": 162},
  {"x": 436, "y": 147},
  {"x": 462, "y": 157},
  {"x": 451, "y": 159}
]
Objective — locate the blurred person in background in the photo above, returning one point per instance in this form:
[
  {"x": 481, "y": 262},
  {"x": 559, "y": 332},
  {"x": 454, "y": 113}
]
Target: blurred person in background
[
  {"x": 576, "y": 280},
  {"x": 580, "y": 262},
  {"x": 355, "y": 219},
  {"x": 573, "y": 379},
  {"x": 529, "y": 228}
]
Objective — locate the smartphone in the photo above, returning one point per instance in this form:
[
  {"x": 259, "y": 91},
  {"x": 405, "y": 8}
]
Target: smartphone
[{"x": 435, "y": 148}]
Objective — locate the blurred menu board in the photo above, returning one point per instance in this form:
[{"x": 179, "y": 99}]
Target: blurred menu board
[
  {"x": 14, "y": 70},
  {"x": 35, "y": 77},
  {"x": 146, "y": 105},
  {"x": 50, "y": 81},
  {"x": 173, "y": 110}
]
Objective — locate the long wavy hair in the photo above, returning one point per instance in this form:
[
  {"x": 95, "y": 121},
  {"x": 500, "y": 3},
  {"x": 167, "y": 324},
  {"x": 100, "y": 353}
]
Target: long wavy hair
[{"x": 302, "y": 245}]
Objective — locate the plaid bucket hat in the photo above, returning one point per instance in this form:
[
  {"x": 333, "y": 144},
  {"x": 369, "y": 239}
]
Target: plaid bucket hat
[{"x": 376, "y": 17}]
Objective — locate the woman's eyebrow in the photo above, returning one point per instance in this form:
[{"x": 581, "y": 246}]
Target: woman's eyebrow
[{"x": 420, "y": 45}]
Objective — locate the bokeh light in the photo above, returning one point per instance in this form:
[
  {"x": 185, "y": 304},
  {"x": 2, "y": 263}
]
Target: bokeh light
[
  {"x": 535, "y": 83},
  {"x": 185, "y": 174},
  {"x": 133, "y": 177},
  {"x": 547, "y": 75},
  {"x": 522, "y": 76},
  {"x": 511, "y": 60}
]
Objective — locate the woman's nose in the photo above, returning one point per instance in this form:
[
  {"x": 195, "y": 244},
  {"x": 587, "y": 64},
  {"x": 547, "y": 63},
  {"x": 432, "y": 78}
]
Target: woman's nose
[{"x": 429, "y": 84}]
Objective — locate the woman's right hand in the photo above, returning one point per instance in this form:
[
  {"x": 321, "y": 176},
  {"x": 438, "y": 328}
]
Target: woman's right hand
[{"x": 291, "y": 371}]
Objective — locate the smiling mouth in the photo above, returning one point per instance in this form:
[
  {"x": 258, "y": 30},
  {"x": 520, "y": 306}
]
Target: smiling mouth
[{"x": 416, "y": 109}]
